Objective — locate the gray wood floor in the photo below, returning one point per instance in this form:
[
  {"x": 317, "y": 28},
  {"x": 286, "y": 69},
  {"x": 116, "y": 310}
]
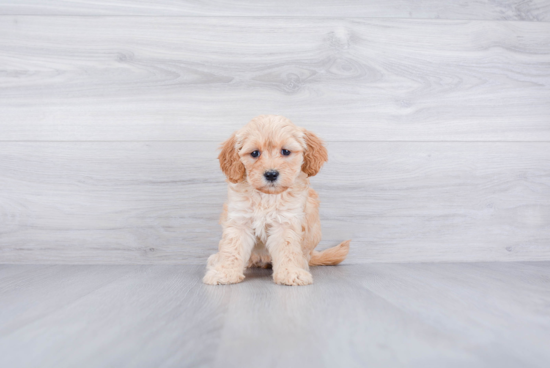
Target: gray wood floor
[{"x": 399, "y": 315}]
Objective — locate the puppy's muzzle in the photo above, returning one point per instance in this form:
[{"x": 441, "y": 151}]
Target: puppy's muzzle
[{"x": 271, "y": 175}]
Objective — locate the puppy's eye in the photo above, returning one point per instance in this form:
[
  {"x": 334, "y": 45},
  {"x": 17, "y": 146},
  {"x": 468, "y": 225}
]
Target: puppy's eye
[
  {"x": 255, "y": 153},
  {"x": 285, "y": 152}
]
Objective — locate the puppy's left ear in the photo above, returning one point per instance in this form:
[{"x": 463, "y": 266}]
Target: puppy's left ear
[
  {"x": 315, "y": 154},
  {"x": 230, "y": 162}
]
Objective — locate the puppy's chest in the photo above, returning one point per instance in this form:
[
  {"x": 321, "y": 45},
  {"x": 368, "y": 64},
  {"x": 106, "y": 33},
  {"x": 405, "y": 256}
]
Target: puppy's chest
[
  {"x": 264, "y": 210},
  {"x": 269, "y": 212}
]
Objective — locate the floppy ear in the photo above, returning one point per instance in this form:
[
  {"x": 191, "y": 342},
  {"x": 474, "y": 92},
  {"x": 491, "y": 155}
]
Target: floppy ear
[
  {"x": 230, "y": 162},
  {"x": 315, "y": 154}
]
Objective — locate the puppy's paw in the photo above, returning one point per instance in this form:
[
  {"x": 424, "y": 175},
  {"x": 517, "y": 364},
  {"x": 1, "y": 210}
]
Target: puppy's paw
[
  {"x": 221, "y": 277},
  {"x": 259, "y": 261},
  {"x": 292, "y": 277}
]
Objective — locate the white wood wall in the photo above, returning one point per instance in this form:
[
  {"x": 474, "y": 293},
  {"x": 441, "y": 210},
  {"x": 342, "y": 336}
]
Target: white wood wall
[{"x": 436, "y": 115}]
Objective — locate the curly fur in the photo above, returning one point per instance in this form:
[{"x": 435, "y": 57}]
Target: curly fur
[
  {"x": 230, "y": 164},
  {"x": 271, "y": 224},
  {"x": 315, "y": 154}
]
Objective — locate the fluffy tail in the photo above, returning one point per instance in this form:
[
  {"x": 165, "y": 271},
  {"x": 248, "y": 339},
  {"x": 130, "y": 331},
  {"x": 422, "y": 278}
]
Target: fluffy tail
[{"x": 331, "y": 256}]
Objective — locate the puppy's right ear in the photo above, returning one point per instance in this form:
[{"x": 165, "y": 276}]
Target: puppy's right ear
[{"x": 230, "y": 162}]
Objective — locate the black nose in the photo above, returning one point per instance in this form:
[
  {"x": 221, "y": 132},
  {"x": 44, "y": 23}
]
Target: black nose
[{"x": 271, "y": 175}]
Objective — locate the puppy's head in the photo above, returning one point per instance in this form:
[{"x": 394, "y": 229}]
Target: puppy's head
[{"x": 270, "y": 152}]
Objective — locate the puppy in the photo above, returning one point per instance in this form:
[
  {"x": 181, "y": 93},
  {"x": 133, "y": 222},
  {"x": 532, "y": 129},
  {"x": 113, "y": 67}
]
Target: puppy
[{"x": 271, "y": 217}]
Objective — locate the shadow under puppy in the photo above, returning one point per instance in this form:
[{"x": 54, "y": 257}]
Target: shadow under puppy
[{"x": 271, "y": 216}]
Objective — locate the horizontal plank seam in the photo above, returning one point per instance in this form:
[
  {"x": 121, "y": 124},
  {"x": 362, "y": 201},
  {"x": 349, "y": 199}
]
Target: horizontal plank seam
[{"x": 270, "y": 17}]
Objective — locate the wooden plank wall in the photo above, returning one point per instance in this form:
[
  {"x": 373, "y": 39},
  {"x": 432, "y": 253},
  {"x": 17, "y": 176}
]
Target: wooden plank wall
[{"x": 436, "y": 115}]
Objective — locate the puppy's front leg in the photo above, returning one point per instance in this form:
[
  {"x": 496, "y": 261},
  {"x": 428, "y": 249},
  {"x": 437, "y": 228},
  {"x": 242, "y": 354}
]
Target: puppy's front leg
[
  {"x": 227, "y": 266},
  {"x": 289, "y": 264}
]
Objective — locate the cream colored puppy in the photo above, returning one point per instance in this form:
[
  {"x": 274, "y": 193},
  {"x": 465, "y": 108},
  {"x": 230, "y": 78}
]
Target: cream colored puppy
[{"x": 271, "y": 216}]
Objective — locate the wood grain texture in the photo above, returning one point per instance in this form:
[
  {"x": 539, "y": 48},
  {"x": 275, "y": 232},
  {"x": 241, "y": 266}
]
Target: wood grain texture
[
  {"x": 386, "y": 315},
  {"x": 533, "y": 10},
  {"x": 166, "y": 78},
  {"x": 159, "y": 202}
]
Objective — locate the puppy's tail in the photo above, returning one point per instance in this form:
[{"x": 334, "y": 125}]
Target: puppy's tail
[{"x": 331, "y": 256}]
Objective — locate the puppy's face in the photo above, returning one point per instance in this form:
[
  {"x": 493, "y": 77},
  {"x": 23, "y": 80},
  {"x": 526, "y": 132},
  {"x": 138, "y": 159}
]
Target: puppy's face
[
  {"x": 270, "y": 152},
  {"x": 272, "y": 161}
]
